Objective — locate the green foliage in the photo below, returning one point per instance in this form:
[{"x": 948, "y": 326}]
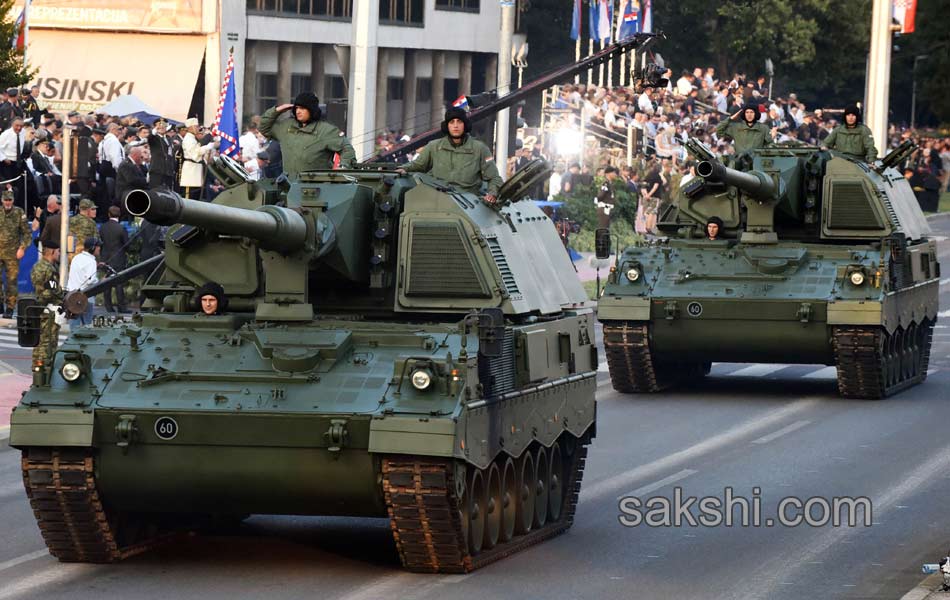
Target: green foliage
[
  {"x": 579, "y": 207},
  {"x": 12, "y": 70}
]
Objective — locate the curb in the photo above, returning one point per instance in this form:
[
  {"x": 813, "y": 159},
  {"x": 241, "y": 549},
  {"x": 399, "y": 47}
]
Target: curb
[{"x": 927, "y": 589}]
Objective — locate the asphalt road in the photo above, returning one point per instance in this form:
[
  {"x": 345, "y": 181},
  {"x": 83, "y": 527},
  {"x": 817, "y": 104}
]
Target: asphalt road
[{"x": 782, "y": 431}]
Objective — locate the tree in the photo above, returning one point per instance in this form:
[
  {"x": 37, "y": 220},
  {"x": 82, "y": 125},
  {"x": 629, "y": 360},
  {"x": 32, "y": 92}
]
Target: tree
[{"x": 13, "y": 71}]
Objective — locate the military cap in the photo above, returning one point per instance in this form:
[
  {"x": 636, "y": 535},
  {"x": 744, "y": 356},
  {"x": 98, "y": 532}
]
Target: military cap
[
  {"x": 160, "y": 120},
  {"x": 24, "y": 91},
  {"x": 13, "y": 91},
  {"x": 73, "y": 113},
  {"x": 98, "y": 131},
  {"x": 86, "y": 203},
  {"x": 51, "y": 245},
  {"x": 8, "y": 194}
]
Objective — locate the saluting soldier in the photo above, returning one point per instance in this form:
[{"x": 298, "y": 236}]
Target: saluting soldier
[
  {"x": 745, "y": 129},
  {"x": 307, "y": 142},
  {"x": 162, "y": 168},
  {"x": 45, "y": 278},
  {"x": 15, "y": 236},
  {"x": 458, "y": 159},
  {"x": 853, "y": 138},
  {"x": 605, "y": 198},
  {"x": 81, "y": 226}
]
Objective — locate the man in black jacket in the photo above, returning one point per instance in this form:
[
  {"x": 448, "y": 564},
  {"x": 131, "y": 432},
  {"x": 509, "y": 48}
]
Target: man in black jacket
[
  {"x": 132, "y": 175},
  {"x": 162, "y": 168},
  {"x": 114, "y": 254}
]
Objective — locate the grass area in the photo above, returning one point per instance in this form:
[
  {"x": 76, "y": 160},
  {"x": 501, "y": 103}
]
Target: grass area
[
  {"x": 944, "y": 205},
  {"x": 591, "y": 287}
]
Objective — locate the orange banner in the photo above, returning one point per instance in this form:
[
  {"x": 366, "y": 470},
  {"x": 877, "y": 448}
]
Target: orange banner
[{"x": 160, "y": 16}]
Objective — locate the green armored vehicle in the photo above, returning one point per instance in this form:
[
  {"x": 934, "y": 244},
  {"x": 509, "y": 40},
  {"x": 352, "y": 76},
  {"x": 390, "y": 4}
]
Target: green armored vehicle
[
  {"x": 819, "y": 259},
  {"x": 392, "y": 348}
]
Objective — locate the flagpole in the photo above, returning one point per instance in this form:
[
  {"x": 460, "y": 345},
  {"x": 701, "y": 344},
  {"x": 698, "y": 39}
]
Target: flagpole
[
  {"x": 590, "y": 72},
  {"x": 610, "y": 63},
  {"x": 26, "y": 30},
  {"x": 577, "y": 56},
  {"x": 600, "y": 77}
]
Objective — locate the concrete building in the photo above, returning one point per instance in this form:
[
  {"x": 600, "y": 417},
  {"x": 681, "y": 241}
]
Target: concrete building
[{"x": 396, "y": 62}]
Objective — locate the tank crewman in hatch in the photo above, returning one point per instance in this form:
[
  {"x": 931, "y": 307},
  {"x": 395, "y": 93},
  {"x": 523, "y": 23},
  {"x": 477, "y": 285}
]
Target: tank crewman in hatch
[
  {"x": 307, "y": 143},
  {"x": 853, "y": 138},
  {"x": 714, "y": 227},
  {"x": 45, "y": 278},
  {"x": 748, "y": 134},
  {"x": 15, "y": 236},
  {"x": 210, "y": 299},
  {"x": 458, "y": 159}
]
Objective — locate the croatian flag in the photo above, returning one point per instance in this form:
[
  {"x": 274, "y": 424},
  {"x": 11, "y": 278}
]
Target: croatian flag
[
  {"x": 461, "y": 102},
  {"x": 593, "y": 15},
  {"x": 226, "y": 121},
  {"x": 604, "y": 19},
  {"x": 18, "y": 40},
  {"x": 576, "y": 21},
  {"x": 647, "y": 16},
  {"x": 629, "y": 22},
  {"x": 905, "y": 12}
]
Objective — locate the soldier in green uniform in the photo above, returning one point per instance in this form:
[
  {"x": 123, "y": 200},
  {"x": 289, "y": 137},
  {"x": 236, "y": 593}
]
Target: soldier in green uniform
[
  {"x": 458, "y": 159},
  {"x": 853, "y": 138},
  {"x": 14, "y": 238},
  {"x": 306, "y": 142},
  {"x": 45, "y": 278},
  {"x": 747, "y": 133},
  {"x": 81, "y": 227}
]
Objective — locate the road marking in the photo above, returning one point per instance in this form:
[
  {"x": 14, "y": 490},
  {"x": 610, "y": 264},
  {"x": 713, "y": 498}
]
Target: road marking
[
  {"x": 55, "y": 573},
  {"x": 651, "y": 487},
  {"x": 945, "y": 281},
  {"x": 4, "y": 432},
  {"x": 931, "y": 372},
  {"x": 765, "y": 439},
  {"x": 944, "y": 314},
  {"x": 22, "y": 559},
  {"x": 759, "y": 370},
  {"x": 667, "y": 463},
  {"x": 826, "y": 373},
  {"x": 602, "y": 367}
]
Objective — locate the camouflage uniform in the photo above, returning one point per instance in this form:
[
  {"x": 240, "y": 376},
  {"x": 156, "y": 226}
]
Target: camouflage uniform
[
  {"x": 14, "y": 235},
  {"x": 80, "y": 228},
  {"x": 308, "y": 147},
  {"x": 45, "y": 278}
]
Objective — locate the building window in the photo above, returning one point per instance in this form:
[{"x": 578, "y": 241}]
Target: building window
[
  {"x": 402, "y": 12},
  {"x": 459, "y": 5},
  {"x": 325, "y": 9},
  {"x": 335, "y": 86},
  {"x": 266, "y": 91},
  {"x": 299, "y": 84},
  {"x": 423, "y": 89},
  {"x": 394, "y": 90},
  {"x": 450, "y": 89}
]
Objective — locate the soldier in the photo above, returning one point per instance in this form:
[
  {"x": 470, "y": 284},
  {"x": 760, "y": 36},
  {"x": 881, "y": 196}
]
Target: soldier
[
  {"x": 45, "y": 278},
  {"x": 307, "y": 142},
  {"x": 161, "y": 171},
  {"x": 458, "y": 159},
  {"x": 81, "y": 226},
  {"x": 854, "y": 138},
  {"x": 605, "y": 199},
  {"x": 748, "y": 134},
  {"x": 14, "y": 237},
  {"x": 714, "y": 227},
  {"x": 210, "y": 299}
]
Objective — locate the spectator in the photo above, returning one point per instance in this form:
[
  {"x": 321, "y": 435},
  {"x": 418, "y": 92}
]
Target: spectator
[
  {"x": 50, "y": 221},
  {"x": 83, "y": 273},
  {"x": 115, "y": 239}
]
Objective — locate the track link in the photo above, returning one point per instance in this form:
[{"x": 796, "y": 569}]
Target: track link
[
  {"x": 423, "y": 498},
  {"x": 75, "y": 524},
  {"x": 873, "y": 364},
  {"x": 627, "y": 345}
]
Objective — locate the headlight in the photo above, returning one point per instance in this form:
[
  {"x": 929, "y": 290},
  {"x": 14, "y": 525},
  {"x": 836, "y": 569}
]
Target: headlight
[
  {"x": 857, "y": 277},
  {"x": 71, "y": 372},
  {"x": 633, "y": 274},
  {"x": 421, "y": 379}
]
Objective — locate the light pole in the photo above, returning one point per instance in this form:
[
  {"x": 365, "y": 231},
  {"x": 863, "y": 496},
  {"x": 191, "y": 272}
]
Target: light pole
[
  {"x": 519, "y": 53},
  {"x": 913, "y": 92}
]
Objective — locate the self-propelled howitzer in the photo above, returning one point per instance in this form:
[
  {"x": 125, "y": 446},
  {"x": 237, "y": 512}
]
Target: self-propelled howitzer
[
  {"x": 820, "y": 259},
  {"x": 391, "y": 348}
]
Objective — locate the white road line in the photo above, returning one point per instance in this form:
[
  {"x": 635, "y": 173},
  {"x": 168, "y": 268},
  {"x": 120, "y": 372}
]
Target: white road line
[
  {"x": 945, "y": 281},
  {"x": 931, "y": 372},
  {"x": 759, "y": 370},
  {"x": 765, "y": 439},
  {"x": 825, "y": 373},
  {"x": 27, "y": 587},
  {"x": 669, "y": 462},
  {"x": 944, "y": 314},
  {"x": 4, "y": 432},
  {"x": 602, "y": 367},
  {"x": 22, "y": 559},
  {"x": 652, "y": 487}
]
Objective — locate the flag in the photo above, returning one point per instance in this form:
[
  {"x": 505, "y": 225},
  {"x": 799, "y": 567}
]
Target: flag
[
  {"x": 647, "y": 18},
  {"x": 629, "y": 22},
  {"x": 904, "y": 13},
  {"x": 576, "y": 21},
  {"x": 225, "y": 120},
  {"x": 18, "y": 40},
  {"x": 593, "y": 15},
  {"x": 461, "y": 102},
  {"x": 604, "y": 20}
]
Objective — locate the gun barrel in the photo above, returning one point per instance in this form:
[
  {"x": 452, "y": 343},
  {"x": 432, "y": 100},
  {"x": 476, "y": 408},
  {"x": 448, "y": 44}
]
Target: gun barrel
[
  {"x": 275, "y": 228},
  {"x": 756, "y": 184}
]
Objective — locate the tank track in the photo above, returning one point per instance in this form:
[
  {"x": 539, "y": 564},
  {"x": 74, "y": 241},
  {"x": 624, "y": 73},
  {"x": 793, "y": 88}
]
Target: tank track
[
  {"x": 627, "y": 345},
  {"x": 75, "y": 525},
  {"x": 423, "y": 498},
  {"x": 873, "y": 363}
]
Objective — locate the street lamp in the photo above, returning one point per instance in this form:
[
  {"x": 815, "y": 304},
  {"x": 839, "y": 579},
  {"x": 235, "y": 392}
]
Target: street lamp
[
  {"x": 519, "y": 53},
  {"x": 913, "y": 87}
]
